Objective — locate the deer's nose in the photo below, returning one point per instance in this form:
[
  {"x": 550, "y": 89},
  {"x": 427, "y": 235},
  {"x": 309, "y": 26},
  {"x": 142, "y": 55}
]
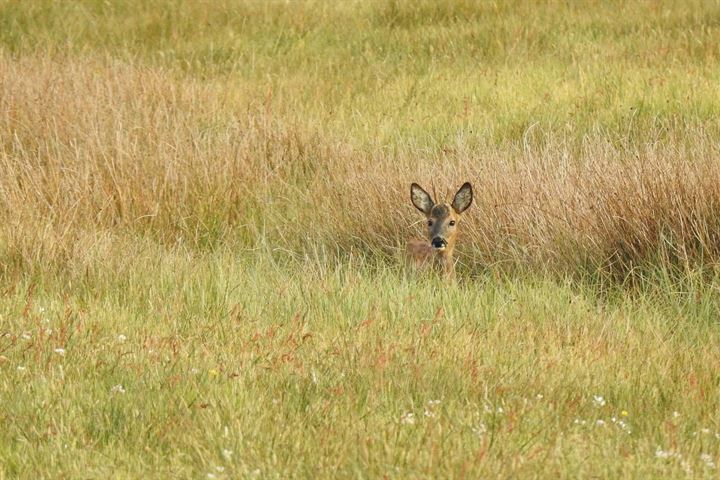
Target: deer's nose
[{"x": 438, "y": 242}]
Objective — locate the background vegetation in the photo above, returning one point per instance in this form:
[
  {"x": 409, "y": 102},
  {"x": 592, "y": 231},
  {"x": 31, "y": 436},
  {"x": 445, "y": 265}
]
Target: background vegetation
[{"x": 202, "y": 206}]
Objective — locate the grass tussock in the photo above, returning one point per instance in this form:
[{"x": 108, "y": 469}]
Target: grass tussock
[{"x": 97, "y": 144}]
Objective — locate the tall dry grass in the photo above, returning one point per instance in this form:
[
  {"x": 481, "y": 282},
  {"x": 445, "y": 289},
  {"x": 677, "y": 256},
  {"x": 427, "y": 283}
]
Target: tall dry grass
[{"x": 97, "y": 145}]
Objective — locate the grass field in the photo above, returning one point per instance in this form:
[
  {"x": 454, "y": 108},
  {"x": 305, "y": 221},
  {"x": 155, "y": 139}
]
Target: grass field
[{"x": 203, "y": 206}]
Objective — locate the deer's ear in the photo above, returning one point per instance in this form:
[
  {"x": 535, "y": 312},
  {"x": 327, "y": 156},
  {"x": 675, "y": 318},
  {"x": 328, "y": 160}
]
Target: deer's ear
[
  {"x": 463, "y": 198},
  {"x": 421, "y": 199}
]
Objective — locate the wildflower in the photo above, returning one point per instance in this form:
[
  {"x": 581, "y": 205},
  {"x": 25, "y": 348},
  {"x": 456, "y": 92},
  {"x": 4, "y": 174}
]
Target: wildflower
[
  {"x": 624, "y": 413},
  {"x": 121, "y": 338},
  {"x": 705, "y": 431},
  {"x": 117, "y": 389},
  {"x": 676, "y": 414},
  {"x": 599, "y": 400},
  {"x": 708, "y": 460},
  {"x": 211, "y": 475},
  {"x": 194, "y": 371},
  {"x": 26, "y": 336},
  {"x": 407, "y": 418},
  {"x": 429, "y": 414},
  {"x": 500, "y": 410},
  {"x": 48, "y": 331},
  {"x": 213, "y": 373},
  {"x": 579, "y": 422},
  {"x": 275, "y": 401},
  {"x": 227, "y": 454},
  {"x": 480, "y": 430},
  {"x": 539, "y": 396},
  {"x": 314, "y": 376},
  {"x": 20, "y": 368},
  {"x": 220, "y": 469},
  {"x": 60, "y": 351},
  {"x": 432, "y": 403},
  {"x": 659, "y": 453},
  {"x": 600, "y": 423}
]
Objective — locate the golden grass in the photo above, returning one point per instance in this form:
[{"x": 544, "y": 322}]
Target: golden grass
[{"x": 95, "y": 144}]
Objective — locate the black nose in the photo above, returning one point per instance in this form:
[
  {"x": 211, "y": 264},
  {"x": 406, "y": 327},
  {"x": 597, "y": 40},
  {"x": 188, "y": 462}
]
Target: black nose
[{"x": 438, "y": 242}]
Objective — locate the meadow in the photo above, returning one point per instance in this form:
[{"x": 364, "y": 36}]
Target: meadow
[{"x": 204, "y": 205}]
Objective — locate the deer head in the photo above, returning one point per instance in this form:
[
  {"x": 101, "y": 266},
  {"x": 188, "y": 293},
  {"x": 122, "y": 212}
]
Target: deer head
[{"x": 443, "y": 221}]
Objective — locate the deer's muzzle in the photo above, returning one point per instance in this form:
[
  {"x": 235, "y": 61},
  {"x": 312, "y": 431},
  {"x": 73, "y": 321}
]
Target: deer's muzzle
[{"x": 438, "y": 243}]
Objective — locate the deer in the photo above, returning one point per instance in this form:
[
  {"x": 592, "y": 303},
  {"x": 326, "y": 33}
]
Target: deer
[{"x": 443, "y": 221}]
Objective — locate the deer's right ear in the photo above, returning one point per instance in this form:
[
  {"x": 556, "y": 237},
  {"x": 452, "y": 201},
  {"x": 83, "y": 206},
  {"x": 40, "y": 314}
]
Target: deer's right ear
[{"x": 421, "y": 199}]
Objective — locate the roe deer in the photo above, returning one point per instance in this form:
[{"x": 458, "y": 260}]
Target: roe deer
[{"x": 443, "y": 220}]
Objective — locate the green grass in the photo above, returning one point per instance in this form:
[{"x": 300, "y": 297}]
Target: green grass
[
  {"x": 308, "y": 369},
  {"x": 421, "y": 73},
  {"x": 202, "y": 206}
]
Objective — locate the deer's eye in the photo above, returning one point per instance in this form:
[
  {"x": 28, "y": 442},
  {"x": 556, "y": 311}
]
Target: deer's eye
[
  {"x": 429, "y": 223},
  {"x": 452, "y": 223}
]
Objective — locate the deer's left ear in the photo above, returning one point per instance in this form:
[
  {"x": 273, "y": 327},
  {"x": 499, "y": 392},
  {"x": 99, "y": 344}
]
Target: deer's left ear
[{"x": 463, "y": 198}]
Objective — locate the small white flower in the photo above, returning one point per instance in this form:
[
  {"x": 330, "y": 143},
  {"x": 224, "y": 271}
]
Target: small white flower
[
  {"x": 600, "y": 423},
  {"x": 60, "y": 351},
  {"x": 539, "y": 396},
  {"x": 579, "y": 422},
  {"x": 708, "y": 460},
  {"x": 433, "y": 403},
  {"x": 407, "y": 418},
  {"x": 26, "y": 336},
  {"x": 194, "y": 371},
  {"x": 480, "y": 430},
  {"x": 121, "y": 338},
  {"x": 676, "y": 414},
  {"x": 20, "y": 368},
  {"x": 660, "y": 453},
  {"x": 314, "y": 376},
  {"x": 429, "y": 414},
  {"x": 48, "y": 331},
  {"x": 705, "y": 431},
  {"x": 599, "y": 401},
  {"x": 117, "y": 389},
  {"x": 220, "y": 469},
  {"x": 227, "y": 454},
  {"x": 211, "y": 475},
  {"x": 275, "y": 401},
  {"x": 500, "y": 410}
]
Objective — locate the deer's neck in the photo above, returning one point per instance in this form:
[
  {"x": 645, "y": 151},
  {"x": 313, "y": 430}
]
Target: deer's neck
[{"x": 444, "y": 259}]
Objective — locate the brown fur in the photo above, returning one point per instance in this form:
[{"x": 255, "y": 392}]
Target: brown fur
[{"x": 443, "y": 222}]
